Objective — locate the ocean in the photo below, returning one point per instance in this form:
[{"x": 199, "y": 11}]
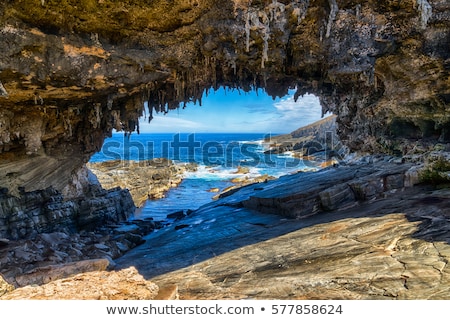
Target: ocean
[{"x": 218, "y": 156}]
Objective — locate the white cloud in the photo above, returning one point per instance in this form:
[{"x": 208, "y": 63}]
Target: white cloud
[
  {"x": 306, "y": 107},
  {"x": 228, "y": 114},
  {"x": 289, "y": 115},
  {"x": 169, "y": 124}
]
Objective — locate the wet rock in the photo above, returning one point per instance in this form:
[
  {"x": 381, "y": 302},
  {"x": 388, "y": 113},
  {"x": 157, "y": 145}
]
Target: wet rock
[
  {"x": 242, "y": 170},
  {"x": 181, "y": 226},
  {"x": 176, "y": 215},
  {"x": 4, "y": 242},
  {"x": 311, "y": 192}
]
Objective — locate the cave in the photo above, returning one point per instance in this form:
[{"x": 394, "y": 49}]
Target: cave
[{"x": 72, "y": 74}]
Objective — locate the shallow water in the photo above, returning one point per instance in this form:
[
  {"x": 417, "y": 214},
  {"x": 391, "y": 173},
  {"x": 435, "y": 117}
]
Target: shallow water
[{"x": 219, "y": 157}]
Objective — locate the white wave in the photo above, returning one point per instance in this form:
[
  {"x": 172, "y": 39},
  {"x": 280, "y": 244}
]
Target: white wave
[{"x": 219, "y": 173}]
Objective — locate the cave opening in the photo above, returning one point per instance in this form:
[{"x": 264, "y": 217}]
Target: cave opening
[
  {"x": 229, "y": 138},
  {"x": 231, "y": 110}
]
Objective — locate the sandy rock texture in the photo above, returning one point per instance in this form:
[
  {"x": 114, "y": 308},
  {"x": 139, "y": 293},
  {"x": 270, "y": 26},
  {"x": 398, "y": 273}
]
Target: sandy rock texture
[{"x": 126, "y": 284}]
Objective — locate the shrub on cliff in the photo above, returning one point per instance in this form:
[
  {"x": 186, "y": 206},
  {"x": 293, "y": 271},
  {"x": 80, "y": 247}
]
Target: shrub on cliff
[{"x": 437, "y": 172}]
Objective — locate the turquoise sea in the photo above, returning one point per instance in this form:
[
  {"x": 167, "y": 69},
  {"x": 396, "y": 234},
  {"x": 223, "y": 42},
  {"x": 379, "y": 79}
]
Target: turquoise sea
[{"x": 218, "y": 156}]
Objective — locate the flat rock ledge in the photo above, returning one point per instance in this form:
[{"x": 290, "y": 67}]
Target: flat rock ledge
[
  {"x": 353, "y": 258},
  {"x": 126, "y": 284},
  {"x": 376, "y": 233}
]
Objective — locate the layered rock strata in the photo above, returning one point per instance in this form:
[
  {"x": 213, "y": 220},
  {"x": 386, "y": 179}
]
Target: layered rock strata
[
  {"x": 126, "y": 284},
  {"x": 149, "y": 179},
  {"x": 391, "y": 244},
  {"x": 317, "y": 143},
  {"x": 71, "y": 72},
  {"x": 355, "y": 55},
  {"x": 43, "y": 211},
  {"x": 386, "y": 237},
  {"x": 56, "y": 255}
]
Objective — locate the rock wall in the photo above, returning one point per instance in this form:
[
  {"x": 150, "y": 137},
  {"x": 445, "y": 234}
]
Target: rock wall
[
  {"x": 47, "y": 210},
  {"x": 71, "y": 71}
]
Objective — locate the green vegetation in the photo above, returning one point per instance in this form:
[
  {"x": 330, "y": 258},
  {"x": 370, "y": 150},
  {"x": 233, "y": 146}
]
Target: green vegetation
[{"x": 437, "y": 172}]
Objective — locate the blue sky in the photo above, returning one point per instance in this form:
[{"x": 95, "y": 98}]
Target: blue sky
[{"x": 232, "y": 111}]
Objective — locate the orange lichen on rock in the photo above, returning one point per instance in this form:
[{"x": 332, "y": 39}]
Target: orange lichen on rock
[{"x": 73, "y": 51}]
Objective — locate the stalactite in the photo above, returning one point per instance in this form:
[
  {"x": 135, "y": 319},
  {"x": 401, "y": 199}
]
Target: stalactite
[
  {"x": 95, "y": 41},
  {"x": 426, "y": 12},
  {"x": 117, "y": 124},
  {"x": 38, "y": 98},
  {"x": 358, "y": 11},
  {"x": 265, "y": 56},
  {"x": 109, "y": 103},
  {"x": 67, "y": 125},
  {"x": 332, "y": 16},
  {"x": 276, "y": 11},
  {"x": 98, "y": 114},
  {"x": 300, "y": 10},
  {"x": 262, "y": 22},
  {"x": 150, "y": 116},
  {"x": 247, "y": 32},
  {"x": 258, "y": 21},
  {"x": 3, "y": 92}
]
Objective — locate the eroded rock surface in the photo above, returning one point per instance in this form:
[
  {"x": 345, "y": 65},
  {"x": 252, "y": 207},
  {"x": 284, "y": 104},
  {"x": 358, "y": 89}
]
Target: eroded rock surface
[
  {"x": 72, "y": 72},
  {"x": 392, "y": 246},
  {"x": 52, "y": 256},
  {"x": 42, "y": 211},
  {"x": 126, "y": 284},
  {"x": 148, "y": 179}
]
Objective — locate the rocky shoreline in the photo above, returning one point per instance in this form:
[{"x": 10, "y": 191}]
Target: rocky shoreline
[
  {"x": 56, "y": 265},
  {"x": 358, "y": 198},
  {"x": 71, "y": 75},
  {"x": 378, "y": 230},
  {"x": 147, "y": 179}
]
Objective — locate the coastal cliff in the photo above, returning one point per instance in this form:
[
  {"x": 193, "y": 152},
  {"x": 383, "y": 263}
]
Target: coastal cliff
[{"x": 71, "y": 72}]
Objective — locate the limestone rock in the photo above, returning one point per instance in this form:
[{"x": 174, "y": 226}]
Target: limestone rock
[
  {"x": 50, "y": 273},
  {"x": 126, "y": 284},
  {"x": 149, "y": 179},
  {"x": 394, "y": 245},
  {"x": 46, "y": 211},
  {"x": 5, "y": 287},
  {"x": 317, "y": 141},
  {"x": 308, "y": 193},
  {"x": 50, "y": 256},
  {"x": 70, "y": 75}
]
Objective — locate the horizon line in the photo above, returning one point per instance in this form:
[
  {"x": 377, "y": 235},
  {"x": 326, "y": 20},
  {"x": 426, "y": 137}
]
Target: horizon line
[{"x": 194, "y": 132}]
